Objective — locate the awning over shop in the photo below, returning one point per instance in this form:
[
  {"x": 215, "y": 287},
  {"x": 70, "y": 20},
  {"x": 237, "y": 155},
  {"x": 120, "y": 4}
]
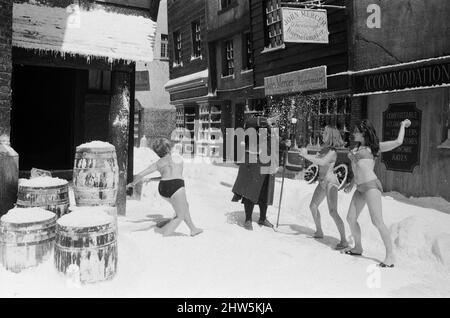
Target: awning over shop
[
  {"x": 190, "y": 81},
  {"x": 87, "y": 32}
]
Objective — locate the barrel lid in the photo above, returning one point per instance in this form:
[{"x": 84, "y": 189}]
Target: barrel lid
[
  {"x": 27, "y": 215},
  {"x": 42, "y": 182},
  {"x": 82, "y": 217},
  {"x": 96, "y": 146}
]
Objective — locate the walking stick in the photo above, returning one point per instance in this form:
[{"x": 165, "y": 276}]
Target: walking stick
[
  {"x": 282, "y": 186},
  {"x": 285, "y": 152}
]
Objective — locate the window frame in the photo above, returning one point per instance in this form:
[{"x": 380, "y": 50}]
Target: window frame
[
  {"x": 273, "y": 28},
  {"x": 196, "y": 37},
  {"x": 228, "y": 67},
  {"x": 177, "y": 49},
  {"x": 248, "y": 62},
  {"x": 164, "y": 47}
]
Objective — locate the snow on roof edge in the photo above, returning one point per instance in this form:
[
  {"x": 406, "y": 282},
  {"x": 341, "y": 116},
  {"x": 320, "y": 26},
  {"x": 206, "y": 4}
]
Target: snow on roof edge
[{"x": 187, "y": 78}]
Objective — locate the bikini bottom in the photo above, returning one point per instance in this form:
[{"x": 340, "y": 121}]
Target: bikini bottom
[{"x": 366, "y": 186}]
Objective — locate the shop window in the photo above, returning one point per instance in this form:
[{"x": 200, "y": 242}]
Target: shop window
[
  {"x": 177, "y": 49},
  {"x": 228, "y": 59},
  {"x": 196, "y": 39},
  {"x": 335, "y": 112},
  {"x": 99, "y": 81},
  {"x": 164, "y": 46},
  {"x": 247, "y": 52},
  {"x": 273, "y": 24}
]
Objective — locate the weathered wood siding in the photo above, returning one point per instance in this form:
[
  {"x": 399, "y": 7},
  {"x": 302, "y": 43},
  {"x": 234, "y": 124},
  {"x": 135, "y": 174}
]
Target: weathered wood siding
[
  {"x": 180, "y": 16},
  {"x": 301, "y": 56},
  {"x": 432, "y": 176},
  {"x": 410, "y": 30}
]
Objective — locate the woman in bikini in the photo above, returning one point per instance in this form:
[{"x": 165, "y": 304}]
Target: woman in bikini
[
  {"x": 171, "y": 187},
  {"x": 368, "y": 187},
  {"x": 328, "y": 182}
]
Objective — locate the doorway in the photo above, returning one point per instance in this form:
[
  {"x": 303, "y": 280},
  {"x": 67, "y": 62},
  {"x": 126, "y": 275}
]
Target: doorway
[{"x": 46, "y": 116}]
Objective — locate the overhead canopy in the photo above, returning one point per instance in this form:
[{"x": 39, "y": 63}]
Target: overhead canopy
[
  {"x": 193, "y": 80},
  {"x": 90, "y": 33}
]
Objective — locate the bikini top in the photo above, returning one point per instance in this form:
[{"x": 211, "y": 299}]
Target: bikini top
[
  {"x": 360, "y": 153},
  {"x": 324, "y": 151}
]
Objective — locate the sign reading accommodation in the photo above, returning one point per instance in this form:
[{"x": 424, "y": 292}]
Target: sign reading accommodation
[
  {"x": 407, "y": 156},
  {"x": 305, "y": 25},
  {"x": 298, "y": 81},
  {"x": 414, "y": 77}
]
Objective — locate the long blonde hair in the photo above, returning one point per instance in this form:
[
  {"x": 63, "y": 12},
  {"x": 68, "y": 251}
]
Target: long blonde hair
[{"x": 332, "y": 137}]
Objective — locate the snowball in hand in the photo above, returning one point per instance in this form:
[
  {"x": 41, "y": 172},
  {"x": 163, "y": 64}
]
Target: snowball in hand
[{"x": 407, "y": 123}]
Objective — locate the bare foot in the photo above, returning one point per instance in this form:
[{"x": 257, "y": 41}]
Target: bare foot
[
  {"x": 352, "y": 251},
  {"x": 389, "y": 260},
  {"x": 318, "y": 234},
  {"x": 342, "y": 245},
  {"x": 196, "y": 232}
]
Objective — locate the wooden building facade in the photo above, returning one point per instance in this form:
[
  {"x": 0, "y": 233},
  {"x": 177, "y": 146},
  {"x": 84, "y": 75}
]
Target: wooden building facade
[
  {"x": 189, "y": 85},
  {"x": 402, "y": 70},
  {"x": 323, "y": 67},
  {"x": 72, "y": 80},
  {"x": 231, "y": 61}
]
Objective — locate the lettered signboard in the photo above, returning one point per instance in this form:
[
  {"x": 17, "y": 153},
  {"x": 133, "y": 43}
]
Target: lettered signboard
[
  {"x": 305, "y": 25},
  {"x": 407, "y": 156}
]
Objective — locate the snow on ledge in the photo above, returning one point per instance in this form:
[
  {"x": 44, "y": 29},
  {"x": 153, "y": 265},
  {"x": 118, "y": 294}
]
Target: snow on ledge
[
  {"x": 97, "y": 144},
  {"x": 90, "y": 33},
  {"x": 188, "y": 79},
  {"x": 42, "y": 182},
  {"x": 27, "y": 215},
  {"x": 86, "y": 217}
]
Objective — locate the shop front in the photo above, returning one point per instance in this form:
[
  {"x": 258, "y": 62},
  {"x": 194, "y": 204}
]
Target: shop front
[
  {"x": 419, "y": 91},
  {"x": 72, "y": 82},
  {"x": 199, "y": 115},
  {"x": 310, "y": 96}
]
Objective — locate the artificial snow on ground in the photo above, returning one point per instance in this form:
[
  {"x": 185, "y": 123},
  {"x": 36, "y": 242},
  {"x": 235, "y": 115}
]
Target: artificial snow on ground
[{"x": 229, "y": 261}]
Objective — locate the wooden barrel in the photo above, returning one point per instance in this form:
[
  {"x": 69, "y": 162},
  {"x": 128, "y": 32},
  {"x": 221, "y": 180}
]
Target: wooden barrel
[
  {"x": 95, "y": 174},
  {"x": 87, "y": 240},
  {"x": 26, "y": 238},
  {"x": 51, "y": 194}
]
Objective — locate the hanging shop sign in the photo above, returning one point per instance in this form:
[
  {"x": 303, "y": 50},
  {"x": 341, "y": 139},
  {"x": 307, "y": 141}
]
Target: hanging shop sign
[
  {"x": 299, "y": 81},
  {"x": 420, "y": 76},
  {"x": 407, "y": 156},
  {"x": 304, "y": 25},
  {"x": 142, "y": 81}
]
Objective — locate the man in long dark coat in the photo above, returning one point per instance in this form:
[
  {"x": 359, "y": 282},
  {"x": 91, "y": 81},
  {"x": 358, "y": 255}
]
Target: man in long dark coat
[{"x": 251, "y": 185}]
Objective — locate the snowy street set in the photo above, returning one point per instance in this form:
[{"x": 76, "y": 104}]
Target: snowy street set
[{"x": 224, "y": 149}]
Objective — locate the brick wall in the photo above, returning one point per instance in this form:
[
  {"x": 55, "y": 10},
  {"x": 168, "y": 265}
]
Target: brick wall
[{"x": 5, "y": 65}]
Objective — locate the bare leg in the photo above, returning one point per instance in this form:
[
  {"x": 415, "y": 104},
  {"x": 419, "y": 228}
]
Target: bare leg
[
  {"x": 318, "y": 197},
  {"x": 169, "y": 228},
  {"x": 181, "y": 207},
  {"x": 373, "y": 199},
  {"x": 332, "y": 198},
  {"x": 356, "y": 206}
]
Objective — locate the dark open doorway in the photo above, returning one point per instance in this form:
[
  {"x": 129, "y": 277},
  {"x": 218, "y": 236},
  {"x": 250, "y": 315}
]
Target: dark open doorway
[{"x": 46, "y": 122}]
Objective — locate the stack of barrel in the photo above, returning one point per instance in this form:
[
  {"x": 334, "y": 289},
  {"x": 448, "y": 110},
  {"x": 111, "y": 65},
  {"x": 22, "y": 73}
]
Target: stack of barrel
[
  {"x": 26, "y": 237},
  {"x": 86, "y": 239},
  {"x": 48, "y": 193},
  {"x": 27, "y": 232}
]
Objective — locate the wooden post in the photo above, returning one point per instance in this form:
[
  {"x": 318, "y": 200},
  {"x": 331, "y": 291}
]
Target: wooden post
[
  {"x": 9, "y": 160},
  {"x": 119, "y": 119}
]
